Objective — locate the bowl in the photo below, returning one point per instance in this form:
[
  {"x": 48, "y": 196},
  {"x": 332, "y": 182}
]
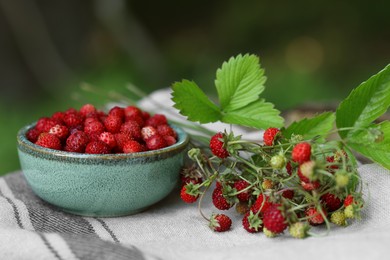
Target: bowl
[{"x": 101, "y": 185}]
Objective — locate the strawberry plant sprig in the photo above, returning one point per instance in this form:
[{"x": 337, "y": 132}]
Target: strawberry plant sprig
[{"x": 295, "y": 178}]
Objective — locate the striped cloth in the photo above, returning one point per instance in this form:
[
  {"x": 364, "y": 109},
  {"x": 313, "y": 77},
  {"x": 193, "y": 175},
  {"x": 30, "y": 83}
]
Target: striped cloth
[{"x": 32, "y": 229}]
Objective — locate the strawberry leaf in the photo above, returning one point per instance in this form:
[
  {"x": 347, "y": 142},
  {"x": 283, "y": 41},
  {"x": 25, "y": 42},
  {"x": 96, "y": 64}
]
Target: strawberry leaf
[
  {"x": 258, "y": 114},
  {"x": 319, "y": 125},
  {"x": 365, "y": 104},
  {"x": 192, "y": 102},
  {"x": 239, "y": 82},
  {"x": 376, "y": 151}
]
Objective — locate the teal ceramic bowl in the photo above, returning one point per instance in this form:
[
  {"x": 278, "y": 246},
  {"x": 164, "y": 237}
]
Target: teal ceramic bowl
[{"x": 101, "y": 185}]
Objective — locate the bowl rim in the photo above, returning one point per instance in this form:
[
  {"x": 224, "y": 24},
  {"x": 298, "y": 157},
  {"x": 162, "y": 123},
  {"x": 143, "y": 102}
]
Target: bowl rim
[{"x": 23, "y": 142}]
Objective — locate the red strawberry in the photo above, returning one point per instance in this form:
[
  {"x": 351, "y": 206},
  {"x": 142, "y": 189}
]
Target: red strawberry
[
  {"x": 216, "y": 146},
  {"x": 331, "y": 168},
  {"x": 170, "y": 140},
  {"x": 49, "y": 141},
  {"x": 349, "y": 200},
  {"x": 94, "y": 128},
  {"x": 33, "y": 134},
  {"x": 132, "y": 111},
  {"x": 252, "y": 223},
  {"x": 118, "y": 112},
  {"x": 241, "y": 185},
  {"x": 147, "y": 132},
  {"x": 145, "y": 115},
  {"x": 113, "y": 123},
  {"x": 133, "y": 147},
  {"x": 58, "y": 116},
  {"x": 270, "y": 135},
  {"x": 301, "y": 152},
  {"x": 77, "y": 142},
  {"x": 313, "y": 185},
  {"x": 156, "y": 120},
  {"x": 260, "y": 204},
  {"x": 87, "y": 109},
  {"x": 108, "y": 138},
  {"x": 156, "y": 142},
  {"x": 274, "y": 220},
  {"x": 132, "y": 128},
  {"x": 60, "y": 131},
  {"x": 288, "y": 194},
  {"x": 314, "y": 216},
  {"x": 73, "y": 119},
  {"x": 97, "y": 147},
  {"x": 187, "y": 198},
  {"x": 220, "y": 222},
  {"x": 331, "y": 201},
  {"x": 45, "y": 123},
  {"x": 166, "y": 130},
  {"x": 219, "y": 200},
  {"x": 289, "y": 168},
  {"x": 121, "y": 139},
  {"x": 138, "y": 119}
]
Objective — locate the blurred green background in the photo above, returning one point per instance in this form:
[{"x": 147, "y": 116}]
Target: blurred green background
[{"x": 313, "y": 51}]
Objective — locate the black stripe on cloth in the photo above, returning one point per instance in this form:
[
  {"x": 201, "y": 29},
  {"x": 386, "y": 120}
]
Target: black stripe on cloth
[
  {"x": 90, "y": 248},
  {"x": 45, "y": 217},
  {"x": 48, "y": 245},
  {"x": 15, "y": 209},
  {"x": 105, "y": 226}
]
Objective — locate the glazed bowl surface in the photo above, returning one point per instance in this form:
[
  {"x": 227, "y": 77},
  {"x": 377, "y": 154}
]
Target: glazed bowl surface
[{"x": 105, "y": 185}]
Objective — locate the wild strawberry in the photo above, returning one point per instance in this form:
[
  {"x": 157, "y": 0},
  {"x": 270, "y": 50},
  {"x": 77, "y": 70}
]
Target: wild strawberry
[
  {"x": 60, "y": 131},
  {"x": 267, "y": 184},
  {"x": 156, "y": 142},
  {"x": 261, "y": 204},
  {"x": 241, "y": 185},
  {"x": 278, "y": 161},
  {"x": 49, "y": 141},
  {"x": 252, "y": 223},
  {"x": 133, "y": 147},
  {"x": 301, "y": 152},
  {"x": 113, "y": 123},
  {"x": 145, "y": 115},
  {"x": 187, "y": 198},
  {"x": 97, "y": 147},
  {"x": 138, "y": 119},
  {"x": 156, "y": 120},
  {"x": 312, "y": 185},
  {"x": 338, "y": 218},
  {"x": 299, "y": 229},
  {"x": 270, "y": 135},
  {"x": 117, "y": 112},
  {"x": 170, "y": 140},
  {"x": 77, "y": 142},
  {"x": 348, "y": 200},
  {"x": 45, "y": 123},
  {"x": 331, "y": 201},
  {"x": 132, "y": 111},
  {"x": 121, "y": 139},
  {"x": 242, "y": 207},
  {"x": 132, "y": 128},
  {"x": 217, "y": 146},
  {"x": 87, "y": 109},
  {"x": 73, "y": 119},
  {"x": 307, "y": 171},
  {"x": 342, "y": 178},
  {"x": 268, "y": 233},
  {"x": 314, "y": 216},
  {"x": 166, "y": 130},
  {"x": 220, "y": 222},
  {"x": 331, "y": 167},
  {"x": 147, "y": 132},
  {"x": 219, "y": 201},
  {"x": 289, "y": 168},
  {"x": 190, "y": 175},
  {"x": 95, "y": 127},
  {"x": 288, "y": 194},
  {"x": 33, "y": 134},
  {"x": 108, "y": 138},
  {"x": 274, "y": 219},
  {"x": 58, "y": 116}
]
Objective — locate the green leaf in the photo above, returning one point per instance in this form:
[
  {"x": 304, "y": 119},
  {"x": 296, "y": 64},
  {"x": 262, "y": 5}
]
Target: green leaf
[
  {"x": 192, "y": 102},
  {"x": 378, "y": 152},
  {"x": 239, "y": 82},
  {"x": 319, "y": 125},
  {"x": 258, "y": 114},
  {"x": 365, "y": 103}
]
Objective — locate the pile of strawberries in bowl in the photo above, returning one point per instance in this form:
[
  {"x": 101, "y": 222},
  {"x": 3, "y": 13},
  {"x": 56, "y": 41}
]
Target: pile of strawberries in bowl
[{"x": 92, "y": 131}]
